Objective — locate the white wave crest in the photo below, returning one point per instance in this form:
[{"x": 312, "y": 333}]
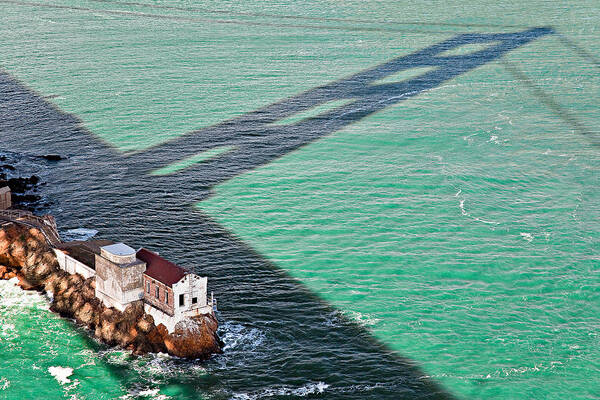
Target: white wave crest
[
  {"x": 362, "y": 319},
  {"x": 61, "y": 374},
  {"x": 464, "y": 212},
  {"x": 301, "y": 391},
  {"x": 527, "y": 236}
]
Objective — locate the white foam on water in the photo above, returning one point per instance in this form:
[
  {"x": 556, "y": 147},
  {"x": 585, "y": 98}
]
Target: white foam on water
[
  {"x": 334, "y": 319},
  {"x": 238, "y": 336},
  {"x": 149, "y": 392},
  {"x": 4, "y": 383},
  {"x": 364, "y": 388},
  {"x": 146, "y": 393},
  {"x": 61, "y": 374},
  {"x": 153, "y": 368},
  {"x": 301, "y": 391},
  {"x": 527, "y": 236},
  {"x": 11, "y": 295},
  {"x": 362, "y": 319},
  {"x": 116, "y": 356},
  {"x": 158, "y": 368},
  {"x": 79, "y": 234},
  {"x": 6, "y": 329},
  {"x": 462, "y": 208},
  {"x": 469, "y": 139},
  {"x": 464, "y": 212}
]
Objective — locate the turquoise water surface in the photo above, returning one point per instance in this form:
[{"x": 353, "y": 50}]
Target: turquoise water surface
[{"x": 459, "y": 227}]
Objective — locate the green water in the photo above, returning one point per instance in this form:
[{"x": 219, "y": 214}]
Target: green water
[
  {"x": 34, "y": 340},
  {"x": 43, "y": 356},
  {"x": 460, "y": 226}
]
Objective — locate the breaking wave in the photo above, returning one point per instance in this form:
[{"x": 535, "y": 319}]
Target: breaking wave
[
  {"x": 236, "y": 336},
  {"x": 301, "y": 391}
]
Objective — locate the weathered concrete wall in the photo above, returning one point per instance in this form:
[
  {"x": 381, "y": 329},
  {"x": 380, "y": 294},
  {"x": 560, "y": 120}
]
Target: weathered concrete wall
[
  {"x": 161, "y": 318},
  {"x": 191, "y": 287},
  {"x": 121, "y": 283},
  {"x": 164, "y": 300},
  {"x": 73, "y": 266},
  {"x": 5, "y": 200}
]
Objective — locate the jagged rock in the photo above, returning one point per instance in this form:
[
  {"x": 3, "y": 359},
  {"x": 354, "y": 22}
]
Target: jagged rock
[
  {"x": 24, "y": 283},
  {"x": 87, "y": 291},
  {"x": 192, "y": 338},
  {"x": 85, "y": 315},
  {"x": 146, "y": 323}
]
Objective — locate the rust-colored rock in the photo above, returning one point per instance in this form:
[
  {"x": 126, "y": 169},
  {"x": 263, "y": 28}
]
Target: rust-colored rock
[
  {"x": 24, "y": 283},
  {"x": 193, "y": 338},
  {"x": 25, "y": 254}
]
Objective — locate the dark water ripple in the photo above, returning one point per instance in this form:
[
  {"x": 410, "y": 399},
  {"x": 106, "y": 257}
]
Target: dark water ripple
[{"x": 282, "y": 340}]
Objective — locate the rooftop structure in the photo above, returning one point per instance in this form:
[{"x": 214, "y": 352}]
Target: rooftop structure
[
  {"x": 159, "y": 269},
  {"x": 119, "y": 276}
]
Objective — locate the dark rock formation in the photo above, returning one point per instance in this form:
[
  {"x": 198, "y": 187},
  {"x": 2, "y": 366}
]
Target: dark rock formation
[
  {"x": 25, "y": 255},
  {"x": 53, "y": 157},
  {"x": 21, "y": 185},
  {"x": 24, "y": 189}
]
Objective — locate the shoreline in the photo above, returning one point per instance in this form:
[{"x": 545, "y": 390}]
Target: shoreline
[{"x": 25, "y": 255}]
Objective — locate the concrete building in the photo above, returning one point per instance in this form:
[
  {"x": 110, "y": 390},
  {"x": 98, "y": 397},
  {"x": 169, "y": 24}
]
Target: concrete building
[
  {"x": 5, "y": 200},
  {"x": 79, "y": 257},
  {"x": 119, "y": 276},
  {"x": 170, "y": 292}
]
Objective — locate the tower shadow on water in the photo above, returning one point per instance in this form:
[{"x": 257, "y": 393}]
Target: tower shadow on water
[{"x": 145, "y": 198}]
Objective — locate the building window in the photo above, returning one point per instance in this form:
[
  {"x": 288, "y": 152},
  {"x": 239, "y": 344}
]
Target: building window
[
  {"x": 181, "y": 300},
  {"x": 166, "y": 297},
  {"x": 148, "y": 287},
  {"x": 157, "y": 292},
  {"x": 194, "y": 300}
]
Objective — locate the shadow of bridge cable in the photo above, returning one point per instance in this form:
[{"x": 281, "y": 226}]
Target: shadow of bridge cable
[
  {"x": 101, "y": 188},
  {"x": 203, "y": 20},
  {"x": 583, "y": 53},
  {"x": 304, "y": 17},
  {"x": 546, "y": 99}
]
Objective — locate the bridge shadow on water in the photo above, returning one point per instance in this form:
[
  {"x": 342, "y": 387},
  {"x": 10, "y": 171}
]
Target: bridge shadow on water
[{"x": 303, "y": 339}]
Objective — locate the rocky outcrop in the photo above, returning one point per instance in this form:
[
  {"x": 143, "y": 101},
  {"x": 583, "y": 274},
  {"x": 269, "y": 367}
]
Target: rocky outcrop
[
  {"x": 25, "y": 255},
  {"x": 24, "y": 189}
]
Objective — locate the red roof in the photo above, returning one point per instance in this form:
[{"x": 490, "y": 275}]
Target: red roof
[{"x": 160, "y": 269}]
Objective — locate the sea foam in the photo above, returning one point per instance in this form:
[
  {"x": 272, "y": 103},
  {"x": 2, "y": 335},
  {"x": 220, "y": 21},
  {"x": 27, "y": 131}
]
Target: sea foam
[
  {"x": 61, "y": 374},
  {"x": 79, "y": 234}
]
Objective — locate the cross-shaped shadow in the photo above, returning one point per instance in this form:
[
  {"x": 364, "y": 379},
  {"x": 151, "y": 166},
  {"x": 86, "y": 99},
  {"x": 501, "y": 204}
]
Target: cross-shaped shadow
[{"x": 146, "y": 198}]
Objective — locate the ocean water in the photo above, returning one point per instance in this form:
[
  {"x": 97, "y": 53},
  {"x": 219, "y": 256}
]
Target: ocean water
[{"x": 415, "y": 230}]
